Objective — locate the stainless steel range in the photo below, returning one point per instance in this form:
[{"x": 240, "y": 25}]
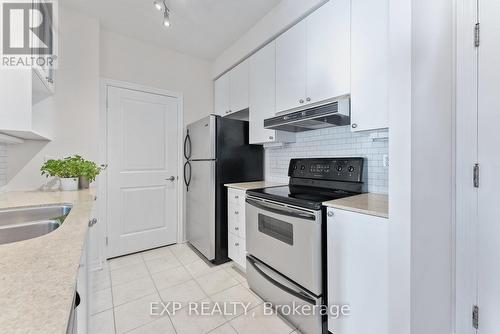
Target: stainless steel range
[{"x": 285, "y": 229}]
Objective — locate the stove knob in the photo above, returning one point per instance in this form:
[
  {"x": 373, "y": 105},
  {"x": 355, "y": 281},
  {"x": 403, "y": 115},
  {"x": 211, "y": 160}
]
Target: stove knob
[
  {"x": 302, "y": 167},
  {"x": 339, "y": 168},
  {"x": 351, "y": 169}
]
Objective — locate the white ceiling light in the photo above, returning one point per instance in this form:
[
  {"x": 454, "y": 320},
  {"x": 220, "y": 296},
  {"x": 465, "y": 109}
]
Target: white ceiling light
[{"x": 162, "y": 6}]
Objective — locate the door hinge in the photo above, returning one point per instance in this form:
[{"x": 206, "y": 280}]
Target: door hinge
[
  {"x": 476, "y": 35},
  {"x": 476, "y": 176},
  {"x": 475, "y": 317}
]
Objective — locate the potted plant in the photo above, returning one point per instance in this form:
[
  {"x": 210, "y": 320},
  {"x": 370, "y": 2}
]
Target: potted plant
[
  {"x": 67, "y": 170},
  {"x": 89, "y": 170}
]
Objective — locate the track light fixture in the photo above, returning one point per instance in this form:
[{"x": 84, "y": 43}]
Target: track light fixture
[{"x": 162, "y": 6}]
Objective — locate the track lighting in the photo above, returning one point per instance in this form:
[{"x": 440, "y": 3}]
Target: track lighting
[
  {"x": 162, "y": 6},
  {"x": 166, "y": 18},
  {"x": 158, "y": 5}
]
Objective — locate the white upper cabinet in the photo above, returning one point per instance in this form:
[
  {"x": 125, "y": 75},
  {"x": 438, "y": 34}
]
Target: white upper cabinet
[
  {"x": 238, "y": 87},
  {"x": 291, "y": 68},
  {"x": 328, "y": 51},
  {"x": 221, "y": 98},
  {"x": 262, "y": 91},
  {"x": 312, "y": 58},
  {"x": 231, "y": 91},
  {"x": 369, "y": 64}
]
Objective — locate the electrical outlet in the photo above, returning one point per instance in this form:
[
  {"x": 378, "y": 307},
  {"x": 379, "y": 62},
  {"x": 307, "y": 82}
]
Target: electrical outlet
[{"x": 385, "y": 158}]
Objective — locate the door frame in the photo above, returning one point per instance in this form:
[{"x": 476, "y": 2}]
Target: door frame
[
  {"x": 466, "y": 150},
  {"x": 103, "y": 154}
]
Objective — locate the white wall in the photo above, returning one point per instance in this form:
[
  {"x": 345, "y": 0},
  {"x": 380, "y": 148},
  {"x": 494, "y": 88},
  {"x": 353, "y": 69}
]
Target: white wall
[
  {"x": 73, "y": 110},
  {"x": 400, "y": 186},
  {"x": 127, "y": 59},
  {"x": 279, "y": 19},
  {"x": 432, "y": 165}
]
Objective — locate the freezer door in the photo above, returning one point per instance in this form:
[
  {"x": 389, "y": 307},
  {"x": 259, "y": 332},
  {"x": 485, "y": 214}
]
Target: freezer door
[
  {"x": 202, "y": 139},
  {"x": 200, "y": 208}
]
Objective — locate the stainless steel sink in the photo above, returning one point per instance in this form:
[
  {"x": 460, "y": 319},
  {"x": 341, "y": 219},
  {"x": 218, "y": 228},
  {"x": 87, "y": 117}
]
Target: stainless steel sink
[{"x": 31, "y": 222}]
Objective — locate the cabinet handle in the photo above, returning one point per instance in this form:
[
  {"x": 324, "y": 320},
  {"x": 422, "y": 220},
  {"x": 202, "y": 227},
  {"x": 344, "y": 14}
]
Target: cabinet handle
[
  {"x": 92, "y": 222},
  {"x": 301, "y": 101},
  {"x": 236, "y": 244},
  {"x": 354, "y": 125},
  {"x": 308, "y": 99},
  {"x": 236, "y": 196},
  {"x": 236, "y": 213},
  {"x": 236, "y": 228},
  {"x": 330, "y": 213},
  {"x": 271, "y": 137}
]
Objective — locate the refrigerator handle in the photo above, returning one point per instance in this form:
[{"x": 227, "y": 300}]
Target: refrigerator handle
[
  {"x": 186, "y": 141},
  {"x": 187, "y": 180}
]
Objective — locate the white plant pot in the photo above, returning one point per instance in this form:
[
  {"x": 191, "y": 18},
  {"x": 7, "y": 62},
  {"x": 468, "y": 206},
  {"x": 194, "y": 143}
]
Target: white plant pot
[{"x": 69, "y": 184}]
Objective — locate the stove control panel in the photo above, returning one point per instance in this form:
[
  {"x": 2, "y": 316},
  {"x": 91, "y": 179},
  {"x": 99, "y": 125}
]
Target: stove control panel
[{"x": 331, "y": 169}]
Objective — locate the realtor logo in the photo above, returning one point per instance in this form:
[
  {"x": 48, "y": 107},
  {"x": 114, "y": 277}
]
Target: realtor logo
[{"x": 28, "y": 34}]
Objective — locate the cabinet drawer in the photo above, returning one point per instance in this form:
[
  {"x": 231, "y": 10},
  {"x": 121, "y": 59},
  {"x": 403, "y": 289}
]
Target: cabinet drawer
[
  {"x": 236, "y": 219},
  {"x": 237, "y": 250},
  {"x": 235, "y": 196}
]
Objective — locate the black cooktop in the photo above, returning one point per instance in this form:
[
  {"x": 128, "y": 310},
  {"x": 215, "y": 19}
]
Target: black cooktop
[
  {"x": 306, "y": 197},
  {"x": 317, "y": 180}
]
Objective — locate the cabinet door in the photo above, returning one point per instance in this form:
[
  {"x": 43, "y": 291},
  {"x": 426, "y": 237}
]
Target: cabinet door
[
  {"x": 233, "y": 250},
  {"x": 262, "y": 93},
  {"x": 238, "y": 87},
  {"x": 357, "y": 259},
  {"x": 291, "y": 68},
  {"x": 369, "y": 64},
  {"x": 221, "y": 98},
  {"x": 82, "y": 311},
  {"x": 328, "y": 51}
]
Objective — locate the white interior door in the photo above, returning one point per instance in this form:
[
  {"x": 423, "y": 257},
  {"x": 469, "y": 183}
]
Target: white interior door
[
  {"x": 142, "y": 173},
  {"x": 489, "y": 161}
]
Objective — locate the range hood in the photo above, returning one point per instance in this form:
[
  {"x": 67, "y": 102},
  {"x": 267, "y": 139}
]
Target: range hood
[{"x": 335, "y": 113}]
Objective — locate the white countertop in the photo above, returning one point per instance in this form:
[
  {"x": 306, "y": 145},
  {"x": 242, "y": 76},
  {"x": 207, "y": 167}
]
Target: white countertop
[
  {"x": 38, "y": 276},
  {"x": 370, "y": 204}
]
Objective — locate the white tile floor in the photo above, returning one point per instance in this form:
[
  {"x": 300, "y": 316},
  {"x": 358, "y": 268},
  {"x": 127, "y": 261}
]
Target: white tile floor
[{"x": 121, "y": 296}]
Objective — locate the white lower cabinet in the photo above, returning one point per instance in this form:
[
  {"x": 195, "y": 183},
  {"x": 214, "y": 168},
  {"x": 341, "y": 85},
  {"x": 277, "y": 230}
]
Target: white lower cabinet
[
  {"x": 357, "y": 271},
  {"x": 236, "y": 226}
]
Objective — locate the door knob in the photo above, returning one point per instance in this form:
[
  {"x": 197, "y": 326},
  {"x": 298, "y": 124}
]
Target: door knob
[{"x": 172, "y": 178}]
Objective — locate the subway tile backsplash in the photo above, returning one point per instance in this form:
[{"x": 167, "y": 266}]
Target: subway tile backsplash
[
  {"x": 333, "y": 142},
  {"x": 3, "y": 164}
]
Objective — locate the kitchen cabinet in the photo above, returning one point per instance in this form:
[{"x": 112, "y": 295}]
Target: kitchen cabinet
[
  {"x": 231, "y": 90},
  {"x": 357, "y": 273},
  {"x": 82, "y": 288},
  {"x": 369, "y": 64},
  {"x": 312, "y": 58},
  {"x": 236, "y": 226},
  {"x": 221, "y": 87},
  {"x": 262, "y": 97},
  {"x": 83, "y": 281},
  {"x": 328, "y": 51},
  {"x": 291, "y": 68},
  {"x": 18, "y": 93}
]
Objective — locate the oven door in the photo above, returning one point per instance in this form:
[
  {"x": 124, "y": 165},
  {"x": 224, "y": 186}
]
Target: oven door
[
  {"x": 286, "y": 238},
  {"x": 279, "y": 291}
]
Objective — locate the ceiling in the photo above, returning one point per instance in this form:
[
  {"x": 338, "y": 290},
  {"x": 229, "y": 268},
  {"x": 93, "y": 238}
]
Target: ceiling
[{"x": 201, "y": 28}]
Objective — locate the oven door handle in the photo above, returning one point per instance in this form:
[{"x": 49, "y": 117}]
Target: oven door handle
[
  {"x": 297, "y": 293},
  {"x": 282, "y": 210}
]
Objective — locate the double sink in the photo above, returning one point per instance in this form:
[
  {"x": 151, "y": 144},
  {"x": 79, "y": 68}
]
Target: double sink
[{"x": 31, "y": 222}]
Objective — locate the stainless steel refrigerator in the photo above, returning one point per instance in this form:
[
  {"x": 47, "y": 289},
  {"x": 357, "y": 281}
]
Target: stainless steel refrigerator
[{"x": 217, "y": 152}]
